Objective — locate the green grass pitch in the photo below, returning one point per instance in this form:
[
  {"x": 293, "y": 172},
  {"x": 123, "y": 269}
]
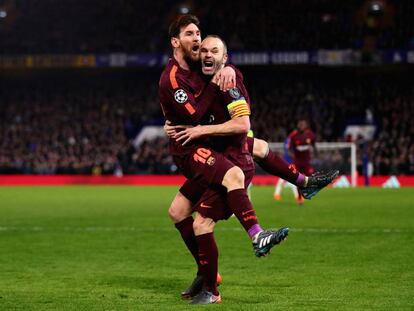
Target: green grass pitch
[{"x": 114, "y": 248}]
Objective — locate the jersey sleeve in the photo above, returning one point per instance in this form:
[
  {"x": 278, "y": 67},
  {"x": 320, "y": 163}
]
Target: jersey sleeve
[
  {"x": 178, "y": 96},
  {"x": 236, "y": 100}
]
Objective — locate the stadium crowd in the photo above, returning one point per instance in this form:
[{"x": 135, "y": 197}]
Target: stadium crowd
[
  {"x": 84, "y": 122},
  {"x": 77, "y": 123},
  {"x": 123, "y": 26},
  {"x": 71, "y": 124}
]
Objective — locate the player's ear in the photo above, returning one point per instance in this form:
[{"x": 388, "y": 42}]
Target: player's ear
[
  {"x": 175, "y": 42},
  {"x": 225, "y": 58}
]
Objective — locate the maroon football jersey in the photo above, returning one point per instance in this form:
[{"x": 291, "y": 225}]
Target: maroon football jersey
[
  {"x": 301, "y": 145},
  {"x": 185, "y": 98},
  {"x": 236, "y": 102}
]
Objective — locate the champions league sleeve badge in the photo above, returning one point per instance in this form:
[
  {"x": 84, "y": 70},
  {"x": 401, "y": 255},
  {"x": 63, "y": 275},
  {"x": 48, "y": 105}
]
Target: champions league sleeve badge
[
  {"x": 234, "y": 93},
  {"x": 180, "y": 96}
]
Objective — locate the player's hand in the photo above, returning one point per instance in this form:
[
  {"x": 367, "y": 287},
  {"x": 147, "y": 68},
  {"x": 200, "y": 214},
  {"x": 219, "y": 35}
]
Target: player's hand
[
  {"x": 225, "y": 78},
  {"x": 189, "y": 134},
  {"x": 169, "y": 129},
  {"x": 172, "y": 130}
]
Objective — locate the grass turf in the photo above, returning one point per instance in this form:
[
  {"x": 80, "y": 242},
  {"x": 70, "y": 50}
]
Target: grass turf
[{"x": 114, "y": 248}]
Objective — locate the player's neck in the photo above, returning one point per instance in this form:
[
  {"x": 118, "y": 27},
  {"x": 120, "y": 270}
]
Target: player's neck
[{"x": 179, "y": 57}]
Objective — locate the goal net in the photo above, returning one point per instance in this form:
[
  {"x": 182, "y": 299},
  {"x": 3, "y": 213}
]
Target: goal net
[{"x": 332, "y": 155}]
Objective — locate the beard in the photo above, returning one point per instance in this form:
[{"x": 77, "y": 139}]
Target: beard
[{"x": 189, "y": 57}]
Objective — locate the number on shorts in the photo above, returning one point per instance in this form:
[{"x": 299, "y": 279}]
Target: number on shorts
[{"x": 201, "y": 155}]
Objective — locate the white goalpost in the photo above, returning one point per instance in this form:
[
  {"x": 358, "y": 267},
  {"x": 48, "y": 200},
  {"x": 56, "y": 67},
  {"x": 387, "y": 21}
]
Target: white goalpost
[{"x": 340, "y": 155}]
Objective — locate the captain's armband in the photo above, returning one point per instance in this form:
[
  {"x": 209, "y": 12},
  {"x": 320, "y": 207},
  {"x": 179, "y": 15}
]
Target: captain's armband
[{"x": 238, "y": 108}]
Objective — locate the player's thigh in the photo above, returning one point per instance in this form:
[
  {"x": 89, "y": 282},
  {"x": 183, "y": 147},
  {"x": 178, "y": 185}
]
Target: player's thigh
[{"x": 260, "y": 148}]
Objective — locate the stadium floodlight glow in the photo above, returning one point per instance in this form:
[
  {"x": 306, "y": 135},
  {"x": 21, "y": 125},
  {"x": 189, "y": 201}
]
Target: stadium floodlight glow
[
  {"x": 3, "y": 14},
  {"x": 184, "y": 9},
  {"x": 376, "y": 6}
]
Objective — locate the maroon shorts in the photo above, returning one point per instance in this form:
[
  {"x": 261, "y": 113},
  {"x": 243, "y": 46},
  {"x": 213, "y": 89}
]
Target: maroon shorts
[
  {"x": 213, "y": 202},
  {"x": 192, "y": 190},
  {"x": 204, "y": 166},
  {"x": 250, "y": 143},
  {"x": 204, "y": 177}
]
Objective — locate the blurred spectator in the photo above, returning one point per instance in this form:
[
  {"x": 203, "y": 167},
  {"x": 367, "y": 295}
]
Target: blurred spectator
[{"x": 72, "y": 124}]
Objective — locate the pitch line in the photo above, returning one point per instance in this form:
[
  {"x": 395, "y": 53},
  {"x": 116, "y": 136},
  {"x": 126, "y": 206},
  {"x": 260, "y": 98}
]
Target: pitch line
[{"x": 171, "y": 229}]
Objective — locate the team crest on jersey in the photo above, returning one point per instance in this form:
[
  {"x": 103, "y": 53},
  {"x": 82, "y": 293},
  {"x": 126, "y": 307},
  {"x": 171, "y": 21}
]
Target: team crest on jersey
[
  {"x": 211, "y": 160},
  {"x": 180, "y": 96},
  {"x": 235, "y": 93},
  {"x": 308, "y": 141}
]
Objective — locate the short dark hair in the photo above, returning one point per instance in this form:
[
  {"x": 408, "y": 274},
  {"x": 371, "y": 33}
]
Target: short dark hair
[
  {"x": 182, "y": 21},
  {"x": 221, "y": 39}
]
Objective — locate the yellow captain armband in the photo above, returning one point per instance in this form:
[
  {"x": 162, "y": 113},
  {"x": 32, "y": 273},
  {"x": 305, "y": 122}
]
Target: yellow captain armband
[
  {"x": 238, "y": 108},
  {"x": 250, "y": 133}
]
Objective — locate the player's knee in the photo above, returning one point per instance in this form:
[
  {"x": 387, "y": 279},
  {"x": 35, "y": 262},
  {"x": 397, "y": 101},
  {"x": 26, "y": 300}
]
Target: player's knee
[
  {"x": 260, "y": 148},
  {"x": 174, "y": 214},
  {"x": 233, "y": 179},
  {"x": 202, "y": 225},
  {"x": 180, "y": 208},
  {"x": 197, "y": 226}
]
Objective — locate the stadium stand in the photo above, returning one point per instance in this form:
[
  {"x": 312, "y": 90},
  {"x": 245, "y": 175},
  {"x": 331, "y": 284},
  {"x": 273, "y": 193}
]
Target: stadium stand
[
  {"x": 84, "y": 123},
  {"x": 277, "y": 25}
]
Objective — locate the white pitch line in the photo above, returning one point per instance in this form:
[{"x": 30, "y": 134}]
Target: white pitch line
[{"x": 170, "y": 229}]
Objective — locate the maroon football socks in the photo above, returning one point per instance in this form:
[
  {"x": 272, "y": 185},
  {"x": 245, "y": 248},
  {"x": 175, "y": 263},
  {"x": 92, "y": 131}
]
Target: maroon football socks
[
  {"x": 208, "y": 261},
  {"x": 241, "y": 206},
  {"x": 187, "y": 233},
  {"x": 275, "y": 165}
]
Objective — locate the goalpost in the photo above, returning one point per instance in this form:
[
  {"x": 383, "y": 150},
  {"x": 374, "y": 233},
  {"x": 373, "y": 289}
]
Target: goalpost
[{"x": 332, "y": 155}]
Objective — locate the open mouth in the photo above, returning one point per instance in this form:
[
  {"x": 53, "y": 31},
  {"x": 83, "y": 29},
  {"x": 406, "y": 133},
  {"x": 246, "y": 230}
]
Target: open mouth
[
  {"x": 208, "y": 64},
  {"x": 195, "y": 48}
]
